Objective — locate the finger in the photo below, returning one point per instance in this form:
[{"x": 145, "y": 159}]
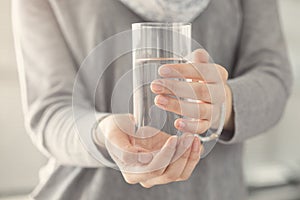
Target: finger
[
  {"x": 194, "y": 110},
  {"x": 192, "y": 160},
  {"x": 156, "y": 167},
  {"x": 192, "y": 125},
  {"x": 200, "y": 56},
  {"x": 175, "y": 169},
  {"x": 197, "y": 71},
  {"x": 118, "y": 144},
  {"x": 164, "y": 156},
  {"x": 190, "y": 164},
  {"x": 191, "y": 90},
  {"x": 125, "y": 154},
  {"x": 121, "y": 142}
]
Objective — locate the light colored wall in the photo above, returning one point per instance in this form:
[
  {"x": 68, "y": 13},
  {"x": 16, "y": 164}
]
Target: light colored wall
[
  {"x": 20, "y": 161},
  {"x": 280, "y": 145}
]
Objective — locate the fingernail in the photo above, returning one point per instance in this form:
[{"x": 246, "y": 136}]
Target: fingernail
[
  {"x": 181, "y": 124},
  {"x": 156, "y": 87},
  {"x": 144, "y": 158},
  {"x": 196, "y": 145},
  {"x": 164, "y": 70},
  {"x": 188, "y": 140},
  {"x": 161, "y": 100},
  {"x": 173, "y": 142}
]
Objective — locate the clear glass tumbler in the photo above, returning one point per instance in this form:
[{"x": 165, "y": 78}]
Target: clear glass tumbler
[{"x": 155, "y": 44}]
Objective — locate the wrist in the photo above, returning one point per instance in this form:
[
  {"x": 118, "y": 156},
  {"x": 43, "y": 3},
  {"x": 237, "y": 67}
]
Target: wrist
[
  {"x": 229, "y": 122},
  {"x": 98, "y": 136},
  {"x": 98, "y": 131}
]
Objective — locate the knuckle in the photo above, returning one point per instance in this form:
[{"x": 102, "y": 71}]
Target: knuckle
[
  {"x": 145, "y": 185},
  {"x": 129, "y": 180},
  {"x": 223, "y": 71},
  {"x": 185, "y": 177}
]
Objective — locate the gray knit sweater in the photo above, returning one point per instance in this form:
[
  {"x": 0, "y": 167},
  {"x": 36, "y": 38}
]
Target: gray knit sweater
[{"x": 52, "y": 39}]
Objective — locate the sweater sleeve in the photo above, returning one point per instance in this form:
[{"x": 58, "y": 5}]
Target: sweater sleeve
[
  {"x": 47, "y": 72},
  {"x": 262, "y": 80}
]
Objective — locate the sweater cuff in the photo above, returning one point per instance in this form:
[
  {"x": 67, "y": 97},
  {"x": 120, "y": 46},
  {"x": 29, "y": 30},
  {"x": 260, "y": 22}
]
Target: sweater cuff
[
  {"x": 239, "y": 106},
  {"x": 85, "y": 125},
  {"x": 105, "y": 158}
]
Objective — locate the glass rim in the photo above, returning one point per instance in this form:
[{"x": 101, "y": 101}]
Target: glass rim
[{"x": 160, "y": 24}]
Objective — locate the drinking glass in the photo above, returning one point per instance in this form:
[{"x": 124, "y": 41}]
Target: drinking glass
[{"x": 156, "y": 44}]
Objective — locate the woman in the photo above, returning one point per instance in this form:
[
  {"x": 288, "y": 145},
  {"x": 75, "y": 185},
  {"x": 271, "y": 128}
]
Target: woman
[{"x": 53, "y": 38}]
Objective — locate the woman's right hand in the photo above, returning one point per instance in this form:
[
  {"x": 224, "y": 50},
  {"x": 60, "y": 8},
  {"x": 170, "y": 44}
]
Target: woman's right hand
[{"x": 157, "y": 158}]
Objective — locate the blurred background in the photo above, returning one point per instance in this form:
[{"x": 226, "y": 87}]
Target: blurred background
[{"x": 272, "y": 160}]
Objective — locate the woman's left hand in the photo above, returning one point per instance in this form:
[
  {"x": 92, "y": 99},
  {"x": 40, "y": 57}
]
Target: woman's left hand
[{"x": 205, "y": 81}]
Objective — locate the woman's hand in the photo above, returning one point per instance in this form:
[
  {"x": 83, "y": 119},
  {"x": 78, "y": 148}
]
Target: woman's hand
[
  {"x": 156, "y": 159},
  {"x": 206, "y": 87}
]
